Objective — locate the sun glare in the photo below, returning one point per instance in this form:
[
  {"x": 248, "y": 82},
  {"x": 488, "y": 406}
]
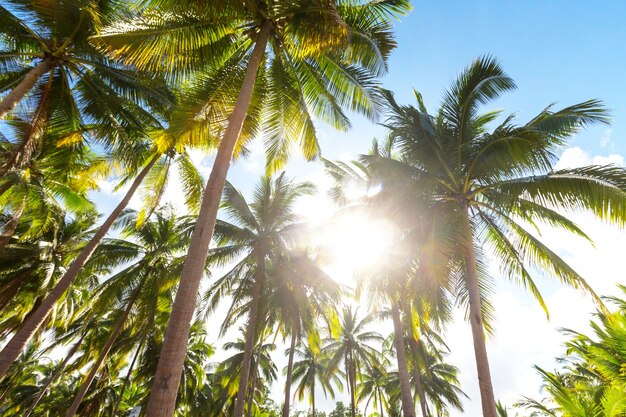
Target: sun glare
[
  {"x": 357, "y": 242},
  {"x": 350, "y": 242}
]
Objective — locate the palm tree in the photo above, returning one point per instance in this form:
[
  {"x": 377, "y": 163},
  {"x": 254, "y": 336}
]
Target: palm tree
[
  {"x": 47, "y": 57},
  {"x": 310, "y": 369},
  {"x": 155, "y": 173},
  {"x": 591, "y": 382},
  {"x": 30, "y": 269},
  {"x": 262, "y": 366},
  {"x": 352, "y": 346},
  {"x": 323, "y": 59},
  {"x": 151, "y": 259},
  {"x": 374, "y": 386},
  {"x": 388, "y": 284},
  {"x": 55, "y": 178},
  {"x": 491, "y": 185},
  {"x": 436, "y": 382},
  {"x": 259, "y": 231},
  {"x": 301, "y": 295}
]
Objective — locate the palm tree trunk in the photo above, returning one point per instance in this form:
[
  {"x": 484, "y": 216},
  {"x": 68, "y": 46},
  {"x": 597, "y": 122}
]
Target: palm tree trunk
[
  {"x": 17, "y": 94},
  {"x": 313, "y": 398},
  {"x": 478, "y": 331},
  {"x": 60, "y": 367},
  {"x": 352, "y": 377},
  {"x": 126, "y": 380},
  {"x": 167, "y": 378},
  {"x": 408, "y": 408},
  {"x": 292, "y": 351},
  {"x": 348, "y": 379},
  {"x": 19, "y": 341},
  {"x": 240, "y": 400},
  {"x": 11, "y": 226},
  {"x": 103, "y": 355},
  {"x": 380, "y": 402},
  {"x": 255, "y": 373},
  {"x": 420, "y": 391},
  {"x": 417, "y": 378}
]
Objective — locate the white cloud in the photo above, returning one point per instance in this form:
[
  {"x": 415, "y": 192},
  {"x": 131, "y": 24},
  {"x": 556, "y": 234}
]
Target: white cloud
[
  {"x": 577, "y": 157},
  {"x": 613, "y": 158},
  {"x": 605, "y": 140}
]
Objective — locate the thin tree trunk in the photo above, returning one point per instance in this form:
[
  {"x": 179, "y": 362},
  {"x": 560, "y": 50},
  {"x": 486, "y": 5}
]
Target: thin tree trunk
[
  {"x": 313, "y": 397},
  {"x": 292, "y": 350},
  {"x": 417, "y": 378},
  {"x": 19, "y": 341},
  {"x": 167, "y": 378},
  {"x": 11, "y": 226},
  {"x": 408, "y": 408},
  {"x": 478, "y": 331},
  {"x": 380, "y": 402},
  {"x": 348, "y": 380},
  {"x": 126, "y": 380},
  {"x": 352, "y": 382},
  {"x": 240, "y": 400},
  {"x": 60, "y": 367},
  {"x": 22, "y": 156},
  {"x": 17, "y": 94},
  {"x": 103, "y": 355},
  {"x": 255, "y": 373}
]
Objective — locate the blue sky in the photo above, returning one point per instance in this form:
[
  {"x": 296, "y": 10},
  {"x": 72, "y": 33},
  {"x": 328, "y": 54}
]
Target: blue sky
[{"x": 557, "y": 51}]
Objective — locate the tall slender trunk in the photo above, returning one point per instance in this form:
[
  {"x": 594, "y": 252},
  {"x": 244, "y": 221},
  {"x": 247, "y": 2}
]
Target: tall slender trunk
[
  {"x": 408, "y": 408},
  {"x": 420, "y": 391},
  {"x": 167, "y": 378},
  {"x": 21, "y": 338},
  {"x": 10, "y": 100},
  {"x": 380, "y": 402},
  {"x": 103, "y": 355},
  {"x": 60, "y": 367},
  {"x": 11, "y": 226},
  {"x": 240, "y": 400},
  {"x": 313, "y": 397},
  {"x": 255, "y": 374},
  {"x": 346, "y": 361},
  {"x": 23, "y": 155},
  {"x": 292, "y": 350},
  {"x": 126, "y": 380},
  {"x": 352, "y": 377},
  {"x": 417, "y": 378},
  {"x": 487, "y": 397}
]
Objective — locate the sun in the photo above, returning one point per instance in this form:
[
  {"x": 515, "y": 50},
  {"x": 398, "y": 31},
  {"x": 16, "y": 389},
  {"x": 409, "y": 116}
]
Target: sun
[
  {"x": 349, "y": 241},
  {"x": 357, "y": 242}
]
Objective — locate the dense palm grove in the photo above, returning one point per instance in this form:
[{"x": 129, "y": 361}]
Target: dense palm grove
[{"x": 112, "y": 313}]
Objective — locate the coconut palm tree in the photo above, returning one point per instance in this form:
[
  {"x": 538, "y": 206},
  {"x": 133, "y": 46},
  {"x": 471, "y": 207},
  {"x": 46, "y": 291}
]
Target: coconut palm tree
[
  {"x": 263, "y": 368},
  {"x": 47, "y": 58},
  {"x": 391, "y": 285},
  {"x": 258, "y": 232},
  {"x": 352, "y": 346},
  {"x": 323, "y": 59},
  {"x": 436, "y": 382},
  {"x": 591, "y": 382},
  {"x": 29, "y": 270},
  {"x": 309, "y": 370},
  {"x": 374, "y": 386},
  {"x": 493, "y": 185},
  {"x": 154, "y": 170},
  {"x": 151, "y": 260},
  {"x": 301, "y": 296},
  {"x": 55, "y": 179}
]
